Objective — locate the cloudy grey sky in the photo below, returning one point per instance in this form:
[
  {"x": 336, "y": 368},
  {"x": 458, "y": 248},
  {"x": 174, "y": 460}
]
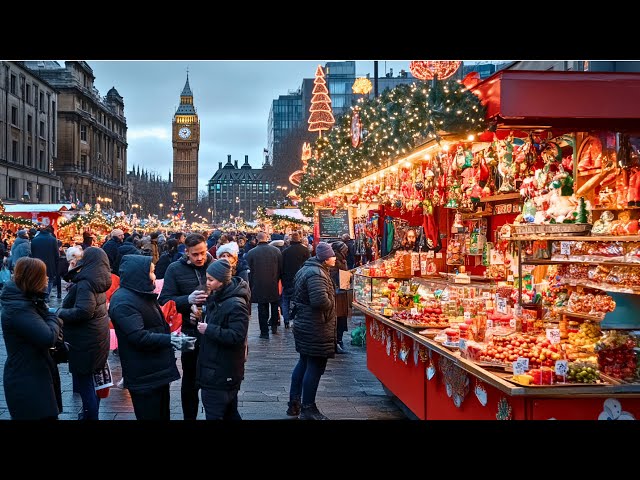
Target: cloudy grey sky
[{"x": 233, "y": 99}]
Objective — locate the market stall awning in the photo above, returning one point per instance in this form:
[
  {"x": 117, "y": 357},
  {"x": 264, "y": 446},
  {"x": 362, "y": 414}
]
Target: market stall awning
[
  {"x": 288, "y": 212},
  {"x": 522, "y": 98},
  {"x": 37, "y": 207}
]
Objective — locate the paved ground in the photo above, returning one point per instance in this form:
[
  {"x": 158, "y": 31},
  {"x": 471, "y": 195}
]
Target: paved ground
[{"x": 347, "y": 391}]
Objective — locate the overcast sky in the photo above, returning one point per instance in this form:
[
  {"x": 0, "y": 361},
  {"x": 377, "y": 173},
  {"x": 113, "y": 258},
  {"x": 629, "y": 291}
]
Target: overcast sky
[{"x": 233, "y": 99}]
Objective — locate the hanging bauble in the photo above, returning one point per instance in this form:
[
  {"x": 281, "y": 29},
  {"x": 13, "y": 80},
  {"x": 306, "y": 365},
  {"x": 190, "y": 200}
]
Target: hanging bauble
[
  {"x": 428, "y": 69},
  {"x": 419, "y": 186},
  {"x": 397, "y": 203}
]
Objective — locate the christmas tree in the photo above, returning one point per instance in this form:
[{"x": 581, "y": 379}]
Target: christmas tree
[
  {"x": 321, "y": 117},
  {"x": 583, "y": 215}
]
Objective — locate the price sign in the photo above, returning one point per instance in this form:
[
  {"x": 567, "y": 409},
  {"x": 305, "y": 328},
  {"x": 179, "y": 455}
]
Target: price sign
[
  {"x": 414, "y": 311},
  {"x": 512, "y": 323},
  {"x": 521, "y": 364},
  {"x": 509, "y": 278},
  {"x": 562, "y": 367},
  {"x": 553, "y": 335},
  {"x": 489, "y": 323},
  {"x": 462, "y": 344},
  {"x": 486, "y": 294},
  {"x": 430, "y": 254},
  {"x": 387, "y": 312},
  {"x": 565, "y": 248},
  {"x": 439, "y": 255},
  {"x": 467, "y": 315},
  {"x": 501, "y": 304}
]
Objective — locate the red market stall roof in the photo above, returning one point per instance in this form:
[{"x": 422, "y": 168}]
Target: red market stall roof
[{"x": 527, "y": 99}]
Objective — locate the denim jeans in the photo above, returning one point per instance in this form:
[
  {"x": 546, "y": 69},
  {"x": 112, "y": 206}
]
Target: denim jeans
[
  {"x": 83, "y": 384},
  {"x": 306, "y": 378},
  {"x": 286, "y": 301},
  {"x": 50, "y": 284}
]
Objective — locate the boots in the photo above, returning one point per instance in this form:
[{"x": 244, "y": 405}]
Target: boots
[
  {"x": 294, "y": 407},
  {"x": 311, "y": 412}
]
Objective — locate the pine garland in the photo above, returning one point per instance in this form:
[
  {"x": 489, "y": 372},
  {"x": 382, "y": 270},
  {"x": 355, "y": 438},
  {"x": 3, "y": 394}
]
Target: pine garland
[
  {"x": 395, "y": 123},
  {"x": 261, "y": 214},
  {"x": 17, "y": 220}
]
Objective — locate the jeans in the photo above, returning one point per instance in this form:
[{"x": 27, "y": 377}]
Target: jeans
[
  {"x": 263, "y": 316},
  {"x": 306, "y": 378},
  {"x": 50, "y": 284},
  {"x": 220, "y": 404},
  {"x": 189, "y": 390},
  {"x": 286, "y": 302},
  {"x": 152, "y": 404},
  {"x": 83, "y": 384},
  {"x": 58, "y": 283}
]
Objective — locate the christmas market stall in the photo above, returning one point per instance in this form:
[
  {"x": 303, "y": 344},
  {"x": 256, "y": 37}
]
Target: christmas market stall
[
  {"x": 285, "y": 220},
  {"x": 502, "y": 274},
  {"x": 40, "y": 213}
]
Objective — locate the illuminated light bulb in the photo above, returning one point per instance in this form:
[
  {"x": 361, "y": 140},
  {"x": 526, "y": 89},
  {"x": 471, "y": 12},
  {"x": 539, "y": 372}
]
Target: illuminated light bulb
[
  {"x": 427, "y": 156},
  {"x": 471, "y": 137}
]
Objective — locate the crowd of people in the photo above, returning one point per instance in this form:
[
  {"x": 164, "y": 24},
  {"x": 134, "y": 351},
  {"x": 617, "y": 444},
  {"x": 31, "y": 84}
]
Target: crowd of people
[{"x": 127, "y": 282}]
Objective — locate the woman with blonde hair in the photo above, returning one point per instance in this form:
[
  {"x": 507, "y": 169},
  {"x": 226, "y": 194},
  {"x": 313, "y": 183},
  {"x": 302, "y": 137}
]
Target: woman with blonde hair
[{"x": 31, "y": 379}]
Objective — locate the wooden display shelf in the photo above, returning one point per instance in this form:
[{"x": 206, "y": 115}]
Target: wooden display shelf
[
  {"x": 563, "y": 262},
  {"x": 590, "y": 172},
  {"x": 599, "y": 286},
  {"x": 501, "y": 197},
  {"x": 584, "y": 316},
  {"x": 576, "y": 238},
  {"x": 616, "y": 209}
]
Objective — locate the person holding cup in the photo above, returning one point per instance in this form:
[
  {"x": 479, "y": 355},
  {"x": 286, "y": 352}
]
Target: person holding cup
[{"x": 185, "y": 283}]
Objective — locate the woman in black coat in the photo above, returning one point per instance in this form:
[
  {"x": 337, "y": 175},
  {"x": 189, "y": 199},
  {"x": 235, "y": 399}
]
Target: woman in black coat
[
  {"x": 31, "y": 380},
  {"x": 314, "y": 329},
  {"x": 86, "y": 324},
  {"x": 341, "y": 250},
  {"x": 144, "y": 339}
]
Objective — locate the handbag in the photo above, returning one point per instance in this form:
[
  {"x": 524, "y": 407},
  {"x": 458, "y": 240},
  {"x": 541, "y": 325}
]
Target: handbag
[
  {"x": 5, "y": 275},
  {"x": 60, "y": 351}
]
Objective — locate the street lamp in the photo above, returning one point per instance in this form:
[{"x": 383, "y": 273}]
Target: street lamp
[
  {"x": 211, "y": 212},
  {"x": 161, "y": 205}
]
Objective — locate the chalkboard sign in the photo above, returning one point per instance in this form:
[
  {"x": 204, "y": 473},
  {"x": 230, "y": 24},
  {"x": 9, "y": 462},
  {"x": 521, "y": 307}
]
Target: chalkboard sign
[{"x": 333, "y": 225}]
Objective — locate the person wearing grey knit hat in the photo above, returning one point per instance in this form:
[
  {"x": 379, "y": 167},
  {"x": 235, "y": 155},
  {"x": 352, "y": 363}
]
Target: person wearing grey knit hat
[
  {"x": 220, "y": 270},
  {"x": 223, "y": 348}
]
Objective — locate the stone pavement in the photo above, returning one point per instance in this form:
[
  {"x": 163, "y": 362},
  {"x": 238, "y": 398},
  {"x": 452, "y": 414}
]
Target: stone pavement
[{"x": 347, "y": 391}]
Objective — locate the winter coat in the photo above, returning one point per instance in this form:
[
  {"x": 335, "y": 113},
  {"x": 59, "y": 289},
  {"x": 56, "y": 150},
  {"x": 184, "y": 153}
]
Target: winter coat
[
  {"x": 31, "y": 379},
  {"x": 341, "y": 250},
  {"x": 265, "y": 265},
  {"x": 293, "y": 257},
  {"x": 314, "y": 310},
  {"x": 110, "y": 247},
  {"x": 144, "y": 337},
  {"x": 20, "y": 248},
  {"x": 84, "y": 312},
  {"x": 166, "y": 259},
  {"x": 242, "y": 269},
  {"x": 127, "y": 248},
  {"x": 180, "y": 280},
  {"x": 222, "y": 348},
  {"x": 351, "y": 255},
  {"x": 45, "y": 247}
]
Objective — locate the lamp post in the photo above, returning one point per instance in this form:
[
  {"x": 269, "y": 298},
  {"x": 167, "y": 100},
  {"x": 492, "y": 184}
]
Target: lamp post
[
  {"x": 161, "y": 205},
  {"x": 211, "y": 213}
]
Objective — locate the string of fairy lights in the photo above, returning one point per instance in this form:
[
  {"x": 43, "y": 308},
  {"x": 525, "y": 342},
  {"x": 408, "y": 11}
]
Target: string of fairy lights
[{"x": 393, "y": 123}]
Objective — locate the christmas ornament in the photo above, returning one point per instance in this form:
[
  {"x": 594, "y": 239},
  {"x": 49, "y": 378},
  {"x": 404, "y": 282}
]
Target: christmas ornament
[
  {"x": 321, "y": 117},
  {"x": 430, "y": 69},
  {"x": 505, "y": 412},
  {"x": 481, "y": 393}
]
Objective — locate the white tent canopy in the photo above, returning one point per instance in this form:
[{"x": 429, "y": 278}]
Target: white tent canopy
[
  {"x": 288, "y": 212},
  {"x": 37, "y": 207}
]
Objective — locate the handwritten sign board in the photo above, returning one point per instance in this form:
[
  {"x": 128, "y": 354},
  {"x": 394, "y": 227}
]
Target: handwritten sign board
[{"x": 333, "y": 225}]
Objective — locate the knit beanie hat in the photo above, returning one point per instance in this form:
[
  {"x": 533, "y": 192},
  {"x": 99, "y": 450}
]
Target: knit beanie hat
[
  {"x": 231, "y": 247},
  {"x": 220, "y": 270},
  {"x": 324, "y": 251}
]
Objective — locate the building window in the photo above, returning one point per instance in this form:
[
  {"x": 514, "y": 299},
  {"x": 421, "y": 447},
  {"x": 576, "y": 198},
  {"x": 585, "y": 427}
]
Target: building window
[
  {"x": 42, "y": 101},
  {"x": 14, "y": 151},
  {"x": 83, "y": 163},
  {"x": 14, "y": 116},
  {"x": 28, "y": 190},
  {"x": 42, "y": 128},
  {"x": 13, "y": 84},
  {"x": 29, "y": 156},
  {"x": 29, "y": 124},
  {"x": 28, "y": 93},
  {"x": 13, "y": 187},
  {"x": 83, "y": 133},
  {"x": 41, "y": 164},
  {"x": 53, "y": 119}
]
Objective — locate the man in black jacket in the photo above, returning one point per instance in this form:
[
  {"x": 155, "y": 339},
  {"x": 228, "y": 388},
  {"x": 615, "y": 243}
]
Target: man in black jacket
[
  {"x": 45, "y": 247},
  {"x": 293, "y": 257},
  {"x": 111, "y": 247},
  {"x": 185, "y": 283},
  {"x": 223, "y": 344}
]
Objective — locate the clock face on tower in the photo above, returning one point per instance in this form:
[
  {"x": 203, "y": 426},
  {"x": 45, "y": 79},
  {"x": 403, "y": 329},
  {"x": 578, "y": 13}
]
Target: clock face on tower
[{"x": 184, "y": 132}]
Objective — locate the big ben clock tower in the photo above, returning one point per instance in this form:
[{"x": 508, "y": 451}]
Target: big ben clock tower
[{"x": 186, "y": 143}]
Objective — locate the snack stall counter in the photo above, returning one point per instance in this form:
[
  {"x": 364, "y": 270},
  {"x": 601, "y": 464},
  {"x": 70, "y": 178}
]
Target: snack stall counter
[{"x": 436, "y": 383}]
